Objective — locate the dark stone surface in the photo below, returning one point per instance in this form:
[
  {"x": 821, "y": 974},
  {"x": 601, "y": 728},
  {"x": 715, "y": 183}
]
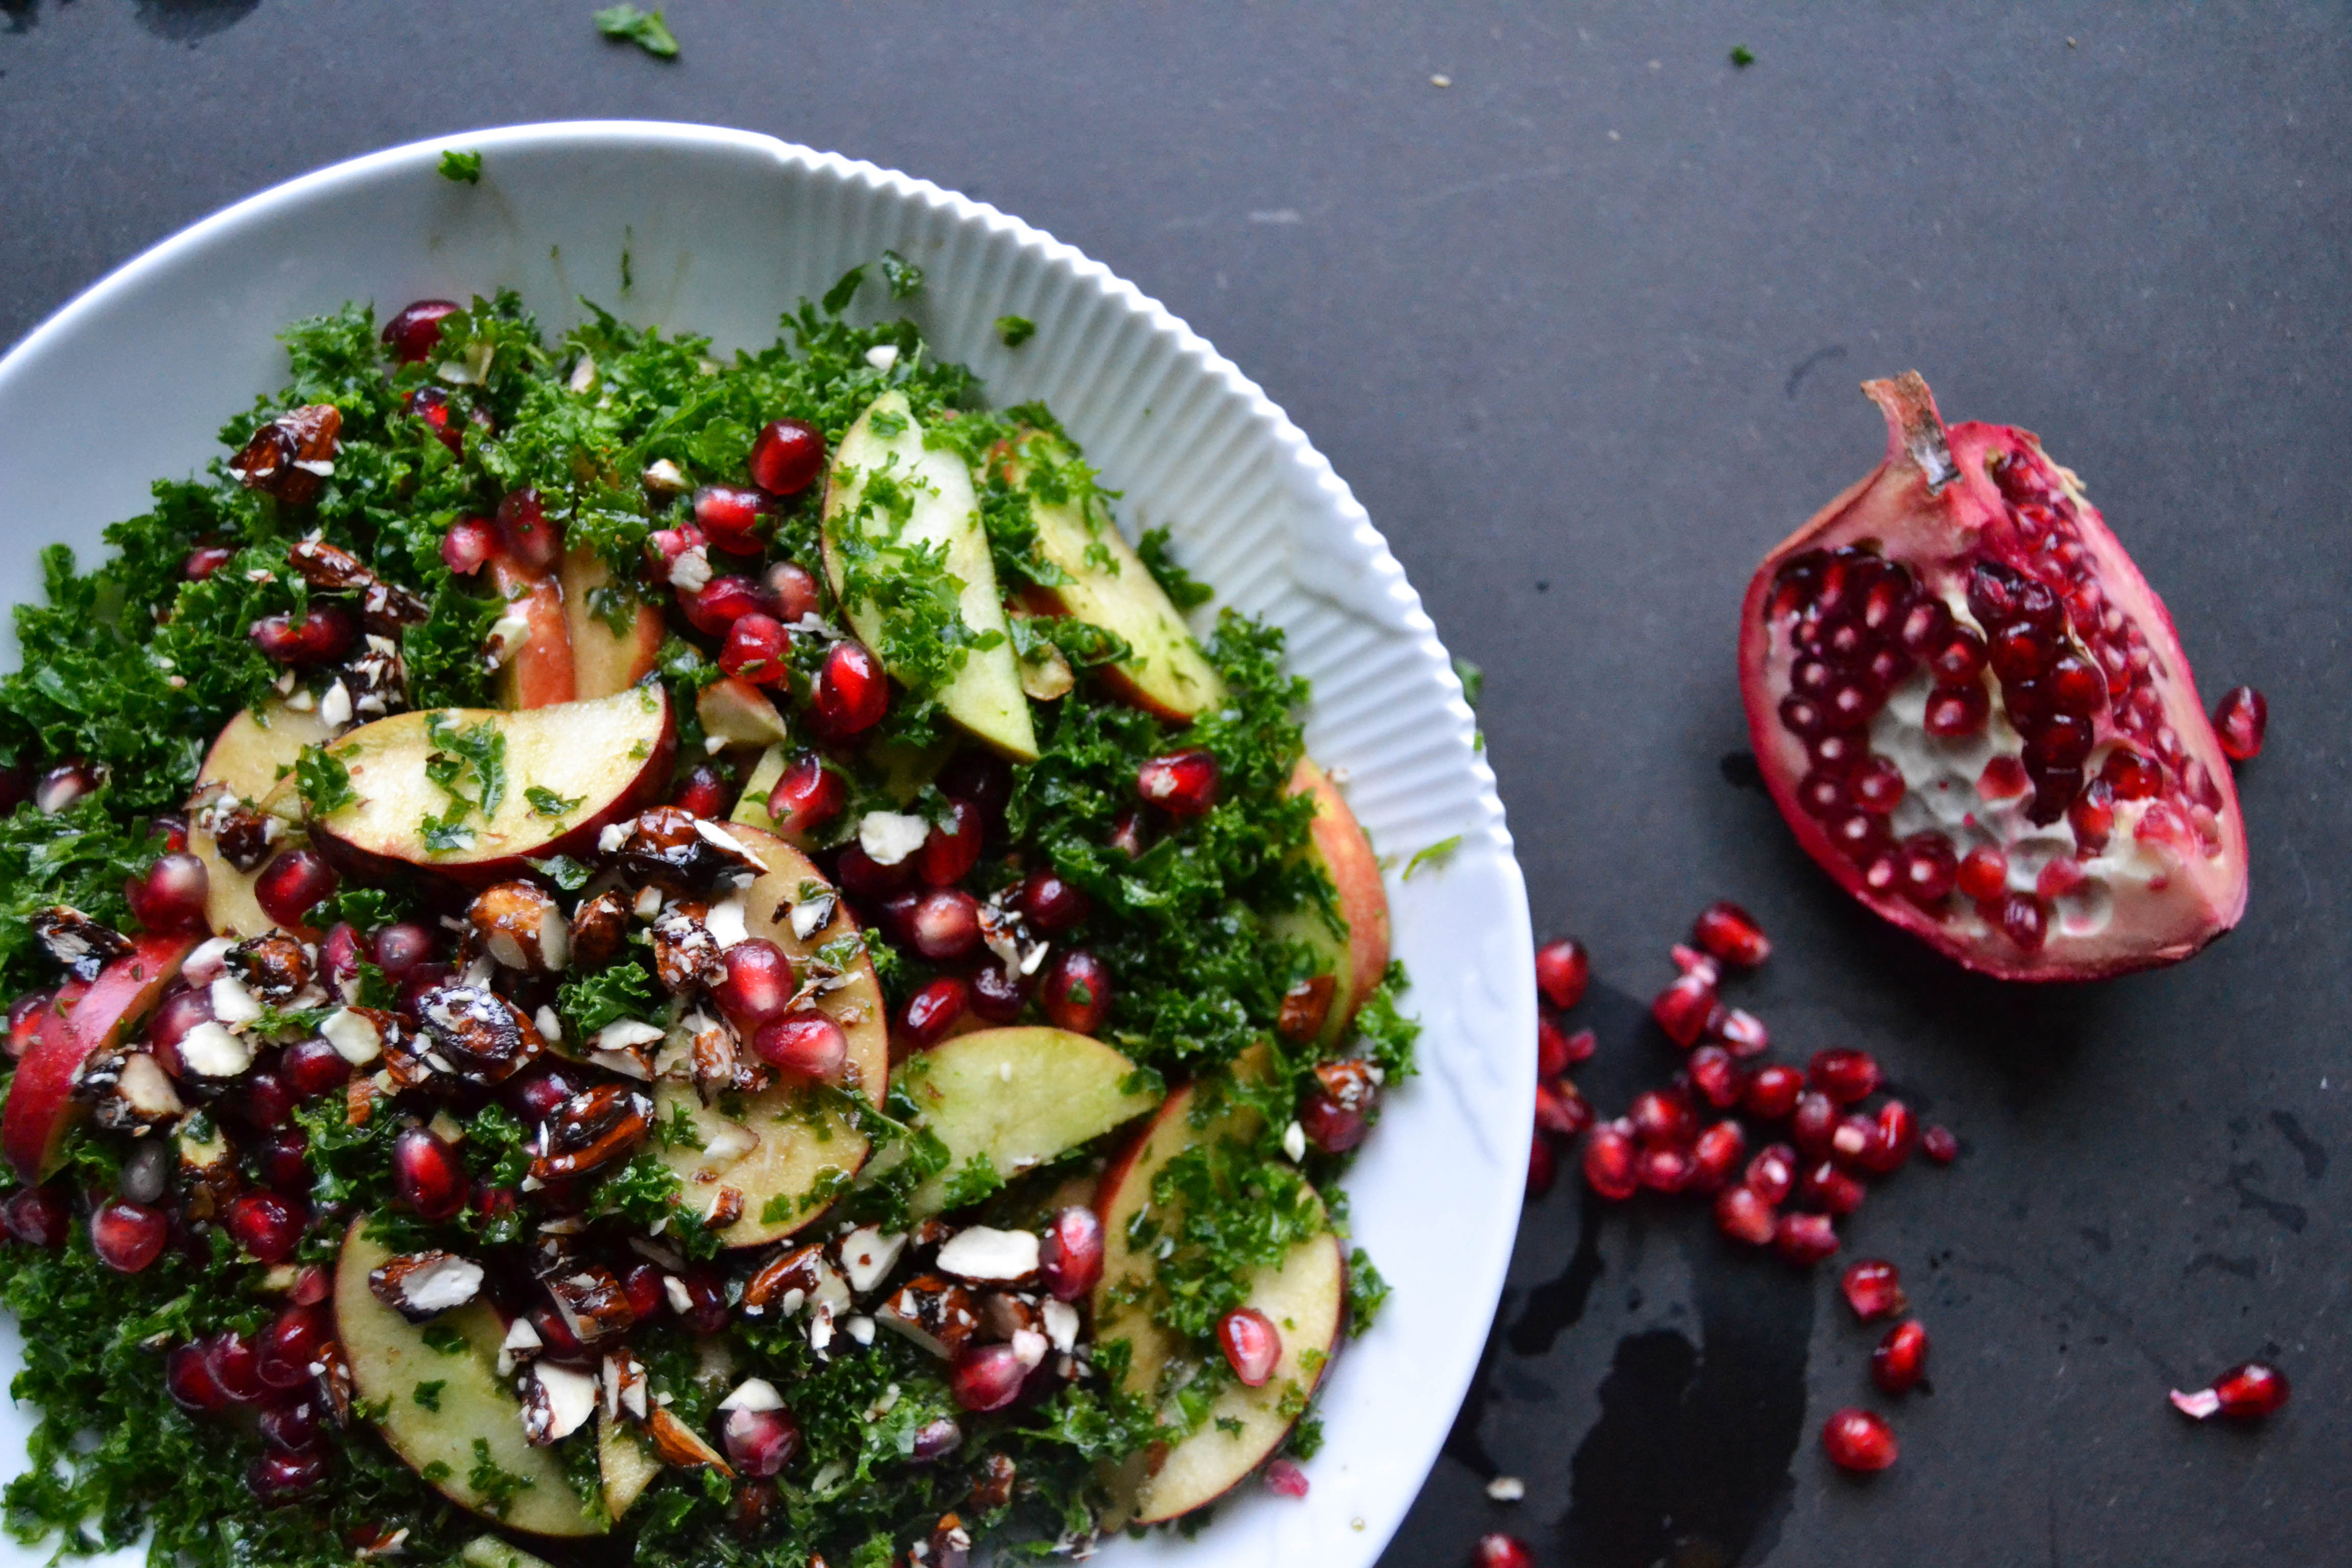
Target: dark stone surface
[{"x": 1583, "y": 329}]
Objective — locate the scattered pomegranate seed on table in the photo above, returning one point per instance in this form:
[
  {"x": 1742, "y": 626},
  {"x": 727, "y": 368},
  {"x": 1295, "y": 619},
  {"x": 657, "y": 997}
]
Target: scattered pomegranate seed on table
[
  {"x": 1731, "y": 933},
  {"x": 1502, "y": 1552},
  {"x": 1285, "y": 1478},
  {"x": 1563, "y": 969},
  {"x": 1901, "y": 1359},
  {"x": 1873, "y": 1289},
  {"x": 2240, "y": 719},
  {"x": 1858, "y": 1440},
  {"x": 2247, "y": 1392}
]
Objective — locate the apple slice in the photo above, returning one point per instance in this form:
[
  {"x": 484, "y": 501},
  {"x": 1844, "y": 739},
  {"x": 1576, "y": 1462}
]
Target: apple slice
[
  {"x": 740, "y": 713},
  {"x": 806, "y": 1147},
  {"x": 751, "y": 805},
  {"x": 1359, "y": 956},
  {"x": 41, "y": 1109},
  {"x": 985, "y": 695},
  {"x": 538, "y": 669},
  {"x": 627, "y": 1466},
  {"x": 389, "y": 1359},
  {"x": 1111, "y": 587},
  {"x": 1305, "y": 1294},
  {"x": 1018, "y": 1097},
  {"x": 253, "y": 752},
  {"x": 603, "y": 760},
  {"x": 604, "y": 660}
]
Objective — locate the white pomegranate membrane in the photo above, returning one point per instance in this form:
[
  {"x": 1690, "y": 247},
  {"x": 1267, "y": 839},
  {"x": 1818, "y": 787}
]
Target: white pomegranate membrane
[{"x": 1973, "y": 710}]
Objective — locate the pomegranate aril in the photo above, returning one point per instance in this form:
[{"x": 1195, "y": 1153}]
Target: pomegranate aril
[
  {"x": 292, "y": 1426},
  {"x": 1285, "y": 1478},
  {"x": 37, "y": 1216},
  {"x": 1181, "y": 784},
  {"x": 1070, "y": 1255},
  {"x": 986, "y": 1377},
  {"x": 190, "y": 1381},
  {"x": 2024, "y": 921},
  {"x": 714, "y": 609},
  {"x": 1804, "y": 1239},
  {"x": 1954, "y": 711},
  {"x": 2245, "y": 1393},
  {"x": 1743, "y": 1034},
  {"x": 1609, "y": 1161},
  {"x": 1731, "y": 933},
  {"x": 1543, "y": 1167},
  {"x": 280, "y": 1160},
  {"x": 998, "y": 995},
  {"x": 280, "y": 1479},
  {"x": 235, "y": 1363},
  {"x": 758, "y": 983},
  {"x": 1983, "y": 873},
  {"x": 807, "y": 796},
  {"x": 1663, "y": 1116},
  {"x": 1745, "y": 1215},
  {"x": 399, "y": 949},
  {"x": 128, "y": 1236},
  {"x": 1893, "y": 1135},
  {"x": 1873, "y": 1289},
  {"x": 1876, "y": 786},
  {"x": 1773, "y": 1173},
  {"x": 323, "y": 635},
  {"x": 1563, "y": 970},
  {"x": 1845, "y": 1076},
  {"x": 1052, "y": 904},
  {"x": 930, "y": 1012},
  {"x": 761, "y": 1442},
  {"x": 729, "y": 515},
  {"x": 791, "y": 591},
  {"x": 1665, "y": 1167},
  {"x": 1691, "y": 960},
  {"x": 427, "y": 1174},
  {"x": 944, "y": 924},
  {"x": 1901, "y": 1359},
  {"x": 754, "y": 650},
  {"x": 1717, "y": 1155},
  {"x": 411, "y": 335},
  {"x": 1858, "y": 1440},
  {"x": 2240, "y": 719},
  {"x": 809, "y": 1045},
  {"x": 1560, "y": 1110},
  {"x": 1501, "y": 1551},
  {"x": 310, "y": 1068},
  {"x": 851, "y": 693},
  {"x": 1939, "y": 1145},
  {"x": 292, "y": 885},
  {"x": 1683, "y": 1008},
  {"x": 952, "y": 846},
  {"x": 786, "y": 455},
  {"x": 705, "y": 793},
  {"x": 2093, "y": 816},
  {"x": 867, "y": 879},
  {"x": 262, "y": 1101},
  {"x": 1077, "y": 995},
  {"x": 205, "y": 560},
  {"x": 1930, "y": 868},
  {"x": 1770, "y": 1092},
  {"x": 1812, "y": 1121},
  {"x": 170, "y": 895},
  {"x": 1253, "y": 1345},
  {"x": 705, "y": 1312},
  {"x": 1714, "y": 1075},
  {"x": 1827, "y": 1189},
  {"x": 526, "y": 533},
  {"x": 648, "y": 1298}
]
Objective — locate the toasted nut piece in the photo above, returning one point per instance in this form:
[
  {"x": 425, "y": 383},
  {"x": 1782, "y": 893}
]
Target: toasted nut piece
[
  {"x": 328, "y": 567},
  {"x": 598, "y": 928},
  {"x": 986, "y": 1256},
  {"x": 718, "y": 1060},
  {"x": 423, "y": 1285},
  {"x": 273, "y": 967},
  {"x": 867, "y": 1255},
  {"x": 593, "y": 1304},
  {"x": 935, "y": 1313},
  {"x": 684, "y": 953},
  {"x": 556, "y": 1402},
  {"x": 993, "y": 1487},
  {"x": 80, "y": 944},
  {"x": 520, "y": 926},
  {"x": 591, "y": 1129},
  {"x": 551, "y": 1253},
  {"x": 725, "y": 1209},
  {"x": 628, "y": 1391},
  {"x": 385, "y": 607},
  {"x": 292, "y": 455},
  {"x": 483, "y": 1037},
  {"x": 359, "y": 1100},
  {"x": 1305, "y": 1006},
  {"x": 951, "y": 1544},
  {"x": 799, "y": 1270},
  {"x": 208, "y": 1177},
  {"x": 679, "y": 1443},
  {"x": 127, "y": 1093},
  {"x": 334, "y": 1379},
  {"x": 244, "y": 835},
  {"x": 1350, "y": 1083},
  {"x": 1004, "y": 1314},
  {"x": 678, "y": 850}
]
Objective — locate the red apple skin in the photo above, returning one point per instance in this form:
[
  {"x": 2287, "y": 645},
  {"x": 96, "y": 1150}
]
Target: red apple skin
[
  {"x": 360, "y": 864},
  {"x": 603, "y": 663},
  {"x": 41, "y": 1109},
  {"x": 539, "y": 674},
  {"x": 1347, "y": 857}
]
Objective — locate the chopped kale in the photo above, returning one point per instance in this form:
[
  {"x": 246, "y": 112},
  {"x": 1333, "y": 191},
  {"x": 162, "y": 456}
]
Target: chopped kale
[
  {"x": 461, "y": 168},
  {"x": 643, "y": 29}
]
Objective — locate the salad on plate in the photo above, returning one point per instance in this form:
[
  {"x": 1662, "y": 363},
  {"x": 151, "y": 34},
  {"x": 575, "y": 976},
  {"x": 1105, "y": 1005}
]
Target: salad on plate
[{"x": 628, "y": 953}]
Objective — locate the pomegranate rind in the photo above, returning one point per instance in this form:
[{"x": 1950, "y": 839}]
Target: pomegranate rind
[{"x": 1932, "y": 503}]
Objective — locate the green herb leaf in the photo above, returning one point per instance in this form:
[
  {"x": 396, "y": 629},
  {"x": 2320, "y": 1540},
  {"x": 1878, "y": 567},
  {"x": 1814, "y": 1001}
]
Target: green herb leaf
[
  {"x": 1742, "y": 56},
  {"x": 462, "y": 168},
  {"x": 1432, "y": 854},
  {"x": 1185, "y": 591},
  {"x": 1472, "y": 678},
  {"x": 1014, "y": 331},
  {"x": 428, "y": 1395},
  {"x": 323, "y": 783},
  {"x": 643, "y": 29},
  {"x": 904, "y": 277},
  {"x": 837, "y": 297},
  {"x": 545, "y": 801}
]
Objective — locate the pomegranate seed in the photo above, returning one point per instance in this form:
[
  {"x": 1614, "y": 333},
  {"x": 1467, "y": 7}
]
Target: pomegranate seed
[
  {"x": 792, "y": 589},
  {"x": 944, "y": 924},
  {"x": 310, "y": 1068},
  {"x": 1717, "y": 1155},
  {"x": 1845, "y": 1076},
  {"x": 63, "y": 785},
  {"x": 1683, "y": 1008},
  {"x": 852, "y": 693},
  {"x": 1983, "y": 873},
  {"x": 1731, "y": 934},
  {"x": 807, "y": 796},
  {"x": 1873, "y": 1289},
  {"x": 703, "y": 794},
  {"x": 806, "y": 1044},
  {"x": 937, "y": 1439},
  {"x": 205, "y": 560},
  {"x": 431, "y": 404},
  {"x": 190, "y": 1381},
  {"x": 930, "y": 1012},
  {"x": 1825, "y": 1187},
  {"x": 1939, "y": 1145},
  {"x": 2023, "y": 919},
  {"x": 280, "y": 1479},
  {"x": 1691, "y": 960},
  {"x": 1000, "y": 995},
  {"x": 262, "y": 1101},
  {"x": 525, "y": 533},
  {"x": 1077, "y": 991},
  {"x": 2247, "y": 1392},
  {"x": 986, "y": 1377},
  {"x": 1070, "y": 1257},
  {"x": 761, "y": 1442},
  {"x": 340, "y": 952},
  {"x": 324, "y": 635},
  {"x": 867, "y": 879},
  {"x": 1901, "y": 1358},
  {"x": 2240, "y": 719},
  {"x": 1563, "y": 969},
  {"x": 1773, "y": 1173},
  {"x": 36, "y": 1216},
  {"x": 413, "y": 334},
  {"x": 1285, "y": 1478},
  {"x": 1252, "y": 1344},
  {"x": 399, "y": 949},
  {"x": 1770, "y": 1092},
  {"x": 281, "y": 1159},
  {"x": 1804, "y": 1239},
  {"x": 171, "y": 896},
  {"x": 1551, "y": 1049},
  {"x": 706, "y": 1301},
  {"x": 1851, "y": 1138},
  {"x": 1858, "y": 1440},
  {"x": 1130, "y": 833},
  {"x": 1665, "y": 1167},
  {"x": 1053, "y": 905},
  {"x": 128, "y": 1236},
  {"x": 952, "y": 846},
  {"x": 1560, "y": 1110},
  {"x": 1663, "y": 1116},
  {"x": 1181, "y": 784},
  {"x": 1501, "y": 1551},
  {"x": 292, "y": 885},
  {"x": 1742, "y": 1032},
  {"x": 1893, "y": 1137},
  {"x": 729, "y": 516},
  {"x": 1609, "y": 1161},
  {"x": 1543, "y": 1167},
  {"x": 754, "y": 650},
  {"x": 1744, "y": 1214},
  {"x": 786, "y": 455},
  {"x": 235, "y": 1363},
  {"x": 759, "y": 981},
  {"x": 426, "y": 1174},
  {"x": 1715, "y": 1075},
  {"x": 1813, "y": 1123},
  {"x": 292, "y": 1426}
]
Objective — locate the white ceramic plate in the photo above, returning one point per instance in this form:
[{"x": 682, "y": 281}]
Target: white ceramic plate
[{"x": 721, "y": 231}]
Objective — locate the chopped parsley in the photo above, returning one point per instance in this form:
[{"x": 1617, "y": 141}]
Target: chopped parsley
[
  {"x": 323, "y": 783},
  {"x": 545, "y": 801},
  {"x": 1432, "y": 854},
  {"x": 461, "y": 168},
  {"x": 1742, "y": 56},
  {"x": 1014, "y": 331},
  {"x": 643, "y": 29},
  {"x": 428, "y": 1395}
]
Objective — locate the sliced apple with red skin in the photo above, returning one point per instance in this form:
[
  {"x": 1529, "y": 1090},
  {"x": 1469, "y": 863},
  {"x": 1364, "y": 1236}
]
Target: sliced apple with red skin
[
  {"x": 941, "y": 509},
  {"x": 1357, "y": 954},
  {"x": 1110, "y": 586},
  {"x": 252, "y": 754},
  {"x": 1018, "y": 1097},
  {"x": 740, "y": 713},
  {"x": 538, "y": 668},
  {"x": 610, "y": 758},
  {"x": 389, "y": 1358},
  {"x": 41, "y": 1109},
  {"x": 1305, "y": 1294},
  {"x": 604, "y": 660},
  {"x": 805, "y": 1145}
]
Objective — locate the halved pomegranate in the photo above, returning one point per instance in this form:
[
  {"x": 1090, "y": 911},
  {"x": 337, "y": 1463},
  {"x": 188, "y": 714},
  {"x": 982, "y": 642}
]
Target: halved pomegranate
[{"x": 1974, "y": 712}]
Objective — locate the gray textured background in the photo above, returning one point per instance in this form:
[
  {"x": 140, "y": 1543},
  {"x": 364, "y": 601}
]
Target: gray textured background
[{"x": 1583, "y": 330}]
